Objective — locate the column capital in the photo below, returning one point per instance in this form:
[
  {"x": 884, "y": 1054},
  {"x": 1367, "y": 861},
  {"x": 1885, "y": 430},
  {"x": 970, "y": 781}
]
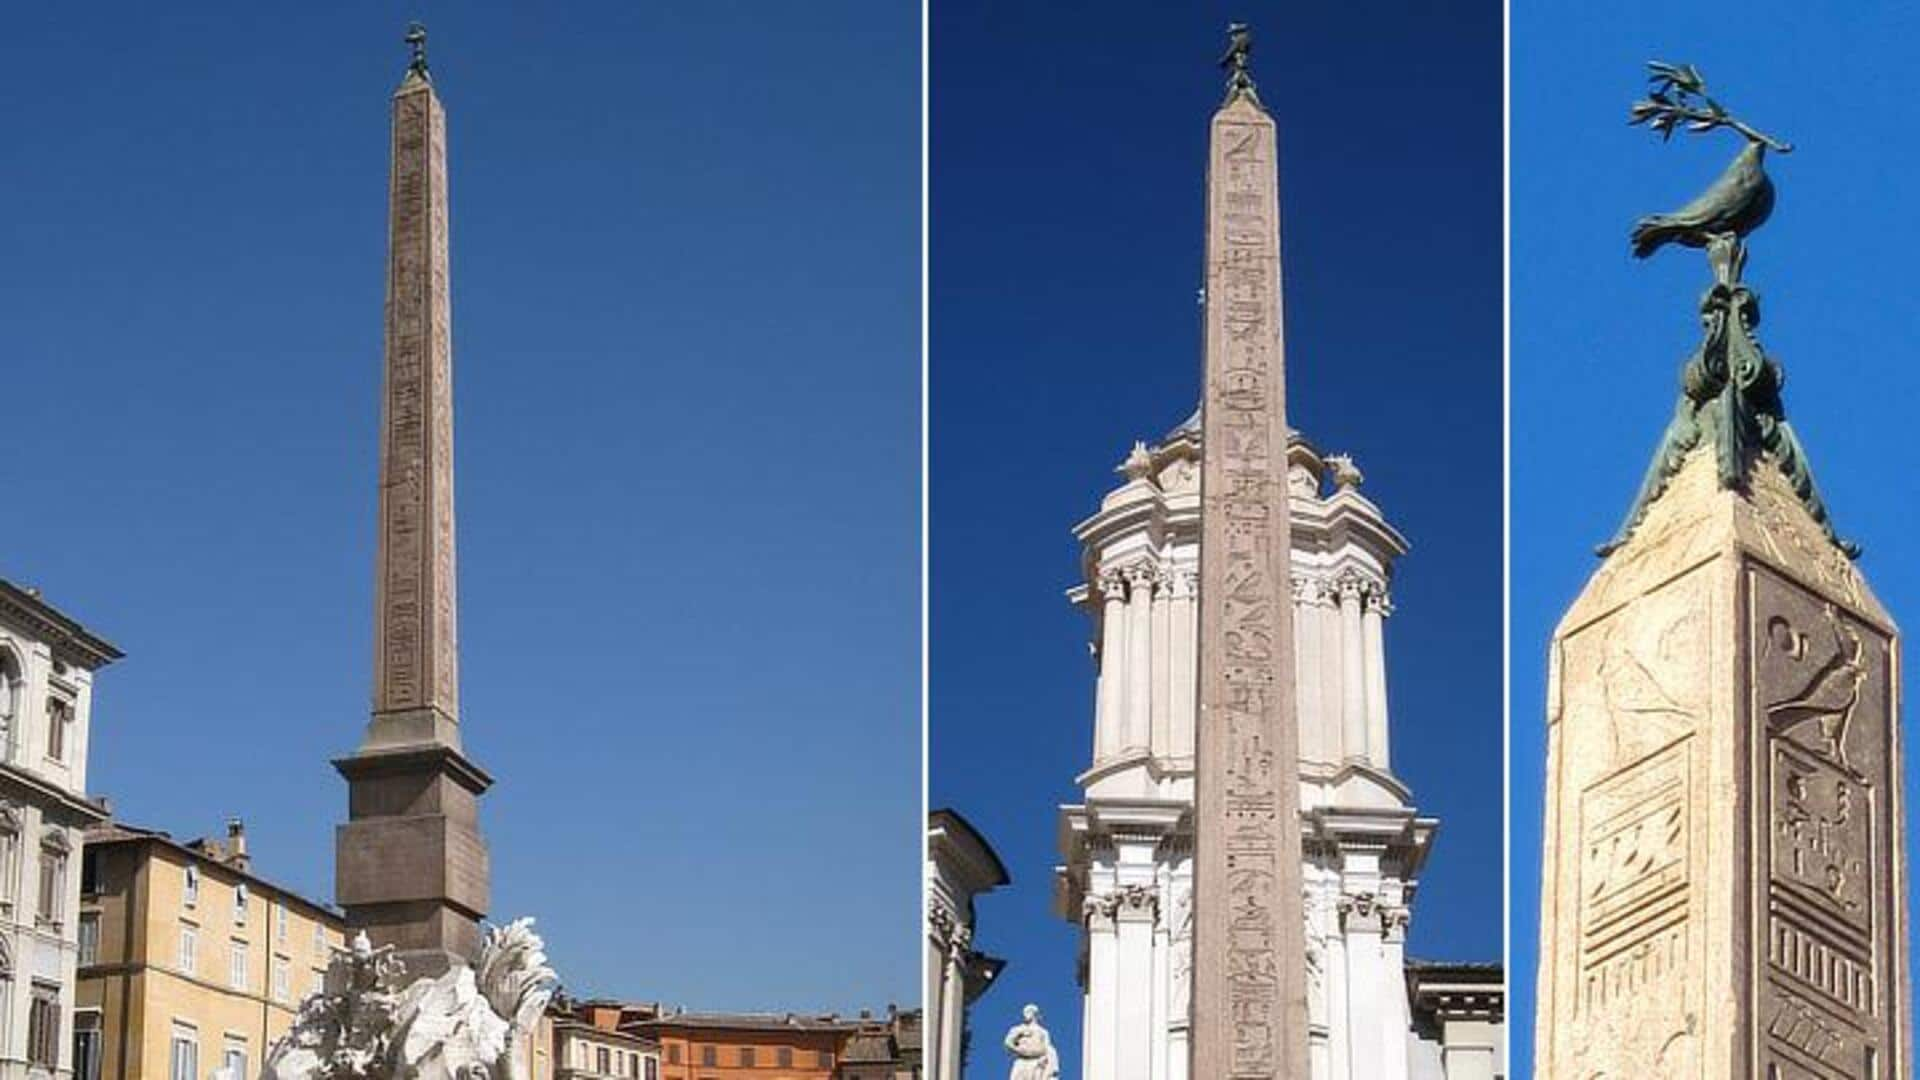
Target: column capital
[
  {"x": 1112, "y": 583},
  {"x": 1137, "y": 903},
  {"x": 1360, "y": 913},
  {"x": 1098, "y": 911}
]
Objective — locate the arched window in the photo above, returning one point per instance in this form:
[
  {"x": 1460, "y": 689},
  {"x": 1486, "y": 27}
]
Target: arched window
[
  {"x": 12, "y": 692},
  {"x": 6, "y": 993},
  {"x": 51, "y": 909},
  {"x": 10, "y": 826}
]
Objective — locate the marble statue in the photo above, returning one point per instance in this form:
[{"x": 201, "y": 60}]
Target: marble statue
[
  {"x": 371, "y": 1023},
  {"x": 1034, "y": 1057}
]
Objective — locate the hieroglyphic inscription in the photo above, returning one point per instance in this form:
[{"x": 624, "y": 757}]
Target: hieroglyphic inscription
[
  {"x": 1821, "y": 696},
  {"x": 416, "y": 655},
  {"x": 1249, "y": 993},
  {"x": 1634, "y": 879}
]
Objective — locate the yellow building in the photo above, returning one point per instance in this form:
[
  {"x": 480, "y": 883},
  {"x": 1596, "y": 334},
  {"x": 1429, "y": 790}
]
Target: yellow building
[{"x": 188, "y": 961}]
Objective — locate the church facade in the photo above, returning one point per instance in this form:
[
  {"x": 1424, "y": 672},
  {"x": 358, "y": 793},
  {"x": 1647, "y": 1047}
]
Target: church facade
[{"x": 1127, "y": 878}]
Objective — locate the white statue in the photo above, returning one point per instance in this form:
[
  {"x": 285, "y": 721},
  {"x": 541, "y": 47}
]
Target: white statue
[
  {"x": 1034, "y": 1057},
  {"x": 466, "y": 1024}
]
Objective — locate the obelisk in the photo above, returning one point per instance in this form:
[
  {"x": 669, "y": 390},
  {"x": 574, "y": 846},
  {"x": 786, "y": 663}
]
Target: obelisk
[
  {"x": 411, "y": 868},
  {"x": 1724, "y": 885},
  {"x": 1249, "y": 981}
]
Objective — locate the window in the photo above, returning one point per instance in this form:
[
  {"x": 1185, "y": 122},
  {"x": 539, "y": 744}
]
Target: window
[
  {"x": 234, "y": 1058},
  {"x": 9, "y": 860},
  {"x": 89, "y": 873},
  {"x": 786, "y": 1057},
  {"x": 89, "y": 938},
  {"x": 653, "y": 1069},
  {"x": 191, "y": 895},
  {"x": 826, "y": 1059},
  {"x": 709, "y": 1056},
  {"x": 673, "y": 1053},
  {"x": 11, "y": 687},
  {"x": 59, "y": 718},
  {"x": 282, "y": 981},
  {"x": 43, "y": 1026},
  {"x": 240, "y": 904},
  {"x": 53, "y": 886},
  {"x": 86, "y": 1045},
  {"x": 746, "y": 1057},
  {"x": 189, "y": 948},
  {"x": 184, "y": 1062},
  {"x": 602, "y": 1062},
  {"x": 320, "y": 942},
  {"x": 280, "y": 923},
  {"x": 237, "y": 964}
]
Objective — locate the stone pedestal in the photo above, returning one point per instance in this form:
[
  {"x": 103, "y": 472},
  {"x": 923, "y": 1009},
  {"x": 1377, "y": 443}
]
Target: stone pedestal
[{"x": 1724, "y": 882}]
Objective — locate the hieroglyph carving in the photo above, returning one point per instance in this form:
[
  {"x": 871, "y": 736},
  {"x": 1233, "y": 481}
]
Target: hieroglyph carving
[
  {"x": 1626, "y": 969},
  {"x": 416, "y": 653},
  {"x": 1821, "y": 690},
  {"x": 1251, "y": 744}
]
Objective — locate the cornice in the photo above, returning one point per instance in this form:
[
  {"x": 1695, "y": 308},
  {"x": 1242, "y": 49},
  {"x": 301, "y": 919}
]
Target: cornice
[{"x": 70, "y": 642}]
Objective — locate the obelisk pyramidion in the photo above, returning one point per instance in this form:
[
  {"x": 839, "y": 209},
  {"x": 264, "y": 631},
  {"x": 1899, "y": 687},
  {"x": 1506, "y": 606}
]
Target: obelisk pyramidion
[
  {"x": 1723, "y": 883},
  {"x": 410, "y": 866},
  {"x": 1249, "y": 981}
]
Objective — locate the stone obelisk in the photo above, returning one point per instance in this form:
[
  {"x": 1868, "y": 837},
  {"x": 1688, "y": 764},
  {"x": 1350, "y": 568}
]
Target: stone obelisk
[
  {"x": 410, "y": 867},
  {"x": 1724, "y": 882},
  {"x": 1249, "y": 981}
]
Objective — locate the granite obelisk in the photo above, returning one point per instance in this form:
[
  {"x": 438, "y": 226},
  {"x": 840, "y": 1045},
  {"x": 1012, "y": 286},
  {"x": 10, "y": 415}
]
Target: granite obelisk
[
  {"x": 410, "y": 866},
  {"x": 1724, "y": 881},
  {"x": 1249, "y": 981}
]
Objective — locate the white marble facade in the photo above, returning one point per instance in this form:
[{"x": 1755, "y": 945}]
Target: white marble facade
[
  {"x": 1128, "y": 846},
  {"x": 47, "y": 662}
]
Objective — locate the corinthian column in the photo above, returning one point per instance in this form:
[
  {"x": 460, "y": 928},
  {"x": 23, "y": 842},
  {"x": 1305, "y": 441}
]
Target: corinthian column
[
  {"x": 1139, "y": 656},
  {"x": 1376, "y": 652},
  {"x": 1113, "y": 664},
  {"x": 1353, "y": 678},
  {"x": 1102, "y": 989}
]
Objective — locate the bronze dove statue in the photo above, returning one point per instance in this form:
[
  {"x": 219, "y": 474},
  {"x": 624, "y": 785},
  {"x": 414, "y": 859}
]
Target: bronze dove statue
[{"x": 1737, "y": 203}]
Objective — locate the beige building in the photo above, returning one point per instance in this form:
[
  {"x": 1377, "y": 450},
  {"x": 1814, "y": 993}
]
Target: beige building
[
  {"x": 47, "y": 663},
  {"x": 191, "y": 962},
  {"x": 595, "y": 1040}
]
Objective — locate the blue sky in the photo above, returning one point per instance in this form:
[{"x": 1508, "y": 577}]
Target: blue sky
[
  {"x": 1598, "y": 338},
  {"x": 1067, "y": 199},
  {"x": 686, "y": 325}
]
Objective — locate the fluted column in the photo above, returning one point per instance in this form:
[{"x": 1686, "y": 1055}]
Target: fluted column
[
  {"x": 1134, "y": 916},
  {"x": 1102, "y": 995},
  {"x": 1315, "y": 659},
  {"x": 1371, "y": 992},
  {"x": 1162, "y": 637},
  {"x": 1113, "y": 665},
  {"x": 1161, "y": 992},
  {"x": 1184, "y": 634},
  {"x": 1353, "y": 684},
  {"x": 1393, "y": 963},
  {"x": 1376, "y": 654},
  {"x": 1139, "y": 656},
  {"x": 953, "y": 1000},
  {"x": 1339, "y": 1029}
]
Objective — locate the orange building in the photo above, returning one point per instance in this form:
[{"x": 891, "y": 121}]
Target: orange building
[{"x": 748, "y": 1046}]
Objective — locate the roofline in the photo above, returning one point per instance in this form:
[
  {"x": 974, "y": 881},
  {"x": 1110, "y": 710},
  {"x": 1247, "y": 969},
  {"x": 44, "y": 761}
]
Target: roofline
[
  {"x": 966, "y": 827},
  {"x": 60, "y": 630},
  {"x": 161, "y": 839}
]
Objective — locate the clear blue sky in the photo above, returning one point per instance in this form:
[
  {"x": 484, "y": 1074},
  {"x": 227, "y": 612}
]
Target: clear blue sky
[
  {"x": 1598, "y": 338},
  {"x": 1067, "y": 200},
  {"x": 686, "y": 322}
]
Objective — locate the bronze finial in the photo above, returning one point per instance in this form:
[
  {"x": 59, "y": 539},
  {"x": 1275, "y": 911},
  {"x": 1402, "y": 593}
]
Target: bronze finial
[
  {"x": 1234, "y": 63},
  {"x": 1730, "y": 387},
  {"x": 417, "y": 46}
]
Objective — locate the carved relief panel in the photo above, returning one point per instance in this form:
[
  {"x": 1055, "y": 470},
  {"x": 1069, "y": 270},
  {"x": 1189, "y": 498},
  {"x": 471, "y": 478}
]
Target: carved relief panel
[
  {"x": 1627, "y": 959},
  {"x": 1821, "y": 708}
]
